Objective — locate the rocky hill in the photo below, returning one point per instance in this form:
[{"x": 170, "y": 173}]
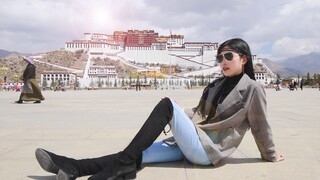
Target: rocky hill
[
  {"x": 309, "y": 63},
  {"x": 4, "y": 53},
  {"x": 13, "y": 66},
  {"x": 283, "y": 71},
  {"x": 74, "y": 60},
  {"x": 123, "y": 70}
]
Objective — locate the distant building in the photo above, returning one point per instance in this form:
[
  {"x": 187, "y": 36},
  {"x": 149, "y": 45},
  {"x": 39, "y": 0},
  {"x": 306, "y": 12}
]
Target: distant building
[
  {"x": 136, "y": 38},
  {"x": 147, "y": 47},
  {"x": 119, "y": 36},
  {"x": 262, "y": 72},
  {"x": 94, "y": 42},
  {"x": 106, "y": 75},
  {"x": 58, "y": 78},
  {"x": 176, "y": 40}
]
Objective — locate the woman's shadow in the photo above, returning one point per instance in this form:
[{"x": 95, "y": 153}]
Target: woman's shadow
[
  {"x": 50, "y": 177},
  {"x": 186, "y": 164}
]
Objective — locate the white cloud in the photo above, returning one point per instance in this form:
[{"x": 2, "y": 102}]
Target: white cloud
[
  {"x": 288, "y": 47},
  {"x": 268, "y": 26}
]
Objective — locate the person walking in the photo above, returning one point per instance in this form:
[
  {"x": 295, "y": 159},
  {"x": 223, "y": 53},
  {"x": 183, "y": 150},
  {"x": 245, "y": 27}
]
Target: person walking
[
  {"x": 301, "y": 84},
  {"x": 30, "y": 90},
  {"x": 204, "y": 135},
  {"x": 295, "y": 85}
]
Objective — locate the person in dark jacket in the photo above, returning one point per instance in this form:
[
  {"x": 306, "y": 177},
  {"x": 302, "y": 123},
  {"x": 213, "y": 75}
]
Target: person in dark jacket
[
  {"x": 30, "y": 90},
  {"x": 228, "y": 108}
]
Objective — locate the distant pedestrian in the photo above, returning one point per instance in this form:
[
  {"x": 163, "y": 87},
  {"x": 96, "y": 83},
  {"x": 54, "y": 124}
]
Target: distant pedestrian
[
  {"x": 291, "y": 88},
  {"x": 138, "y": 86},
  {"x": 295, "y": 85},
  {"x": 301, "y": 85},
  {"x": 30, "y": 90},
  {"x": 5, "y": 79}
]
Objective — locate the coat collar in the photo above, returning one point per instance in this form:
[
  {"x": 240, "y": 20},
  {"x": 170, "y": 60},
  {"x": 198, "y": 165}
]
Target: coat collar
[{"x": 235, "y": 96}]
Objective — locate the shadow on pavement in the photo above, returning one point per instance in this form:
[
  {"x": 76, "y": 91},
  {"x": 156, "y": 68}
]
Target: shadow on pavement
[
  {"x": 187, "y": 165},
  {"x": 53, "y": 177}
]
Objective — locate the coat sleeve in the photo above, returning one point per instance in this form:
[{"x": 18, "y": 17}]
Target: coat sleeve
[{"x": 260, "y": 128}]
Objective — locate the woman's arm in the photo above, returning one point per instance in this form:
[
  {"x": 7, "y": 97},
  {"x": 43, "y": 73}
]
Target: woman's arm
[{"x": 260, "y": 128}]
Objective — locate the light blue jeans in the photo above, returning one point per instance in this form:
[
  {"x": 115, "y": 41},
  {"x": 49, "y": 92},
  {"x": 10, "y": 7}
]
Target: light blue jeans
[{"x": 188, "y": 141}]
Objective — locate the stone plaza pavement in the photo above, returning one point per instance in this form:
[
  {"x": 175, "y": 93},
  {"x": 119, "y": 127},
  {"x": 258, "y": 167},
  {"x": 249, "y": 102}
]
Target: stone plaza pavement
[{"x": 83, "y": 124}]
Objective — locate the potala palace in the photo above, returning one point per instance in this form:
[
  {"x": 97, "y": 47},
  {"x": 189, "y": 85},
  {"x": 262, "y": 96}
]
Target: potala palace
[{"x": 136, "y": 47}]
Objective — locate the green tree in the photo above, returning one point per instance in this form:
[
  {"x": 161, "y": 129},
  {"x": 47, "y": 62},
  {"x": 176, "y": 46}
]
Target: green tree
[
  {"x": 115, "y": 83},
  {"x": 44, "y": 83},
  {"x": 155, "y": 82},
  {"x": 100, "y": 83},
  {"x": 76, "y": 82},
  {"x": 308, "y": 79},
  {"x": 107, "y": 82},
  {"x": 202, "y": 80},
  {"x": 278, "y": 79},
  {"x": 122, "y": 82},
  {"x": 92, "y": 84},
  {"x": 53, "y": 84},
  {"x": 130, "y": 80},
  {"x": 138, "y": 79},
  {"x": 314, "y": 82}
]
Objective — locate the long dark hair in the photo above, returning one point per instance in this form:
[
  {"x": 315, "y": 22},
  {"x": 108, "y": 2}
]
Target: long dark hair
[{"x": 240, "y": 46}]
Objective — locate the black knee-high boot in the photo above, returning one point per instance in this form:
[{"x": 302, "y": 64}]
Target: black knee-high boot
[
  {"x": 124, "y": 165},
  {"x": 69, "y": 168}
]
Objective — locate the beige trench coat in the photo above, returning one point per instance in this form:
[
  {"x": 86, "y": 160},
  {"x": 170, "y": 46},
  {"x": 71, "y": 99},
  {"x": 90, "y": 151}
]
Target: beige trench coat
[{"x": 244, "y": 108}]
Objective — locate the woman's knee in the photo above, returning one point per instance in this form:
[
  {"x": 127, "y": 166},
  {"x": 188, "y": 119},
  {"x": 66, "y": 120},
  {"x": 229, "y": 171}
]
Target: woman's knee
[
  {"x": 199, "y": 160},
  {"x": 167, "y": 101}
]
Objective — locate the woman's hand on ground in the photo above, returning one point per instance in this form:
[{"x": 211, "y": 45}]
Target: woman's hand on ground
[{"x": 280, "y": 158}]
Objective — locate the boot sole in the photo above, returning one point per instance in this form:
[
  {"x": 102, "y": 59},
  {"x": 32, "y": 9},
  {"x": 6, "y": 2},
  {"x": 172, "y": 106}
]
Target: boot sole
[
  {"x": 45, "y": 161},
  {"x": 127, "y": 176},
  {"x": 63, "y": 176}
]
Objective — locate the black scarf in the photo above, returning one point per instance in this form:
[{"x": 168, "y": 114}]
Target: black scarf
[
  {"x": 227, "y": 87},
  {"x": 223, "y": 92}
]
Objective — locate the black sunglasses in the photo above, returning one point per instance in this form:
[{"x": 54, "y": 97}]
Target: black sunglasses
[{"x": 228, "y": 56}]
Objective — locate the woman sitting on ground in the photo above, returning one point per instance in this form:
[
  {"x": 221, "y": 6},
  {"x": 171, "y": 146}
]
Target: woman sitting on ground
[{"x": 229, "y": 106}]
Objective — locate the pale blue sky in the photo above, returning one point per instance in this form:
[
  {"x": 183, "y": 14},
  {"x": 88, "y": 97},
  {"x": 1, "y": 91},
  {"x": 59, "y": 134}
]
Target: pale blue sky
[{"x": 274, "y": 29}]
